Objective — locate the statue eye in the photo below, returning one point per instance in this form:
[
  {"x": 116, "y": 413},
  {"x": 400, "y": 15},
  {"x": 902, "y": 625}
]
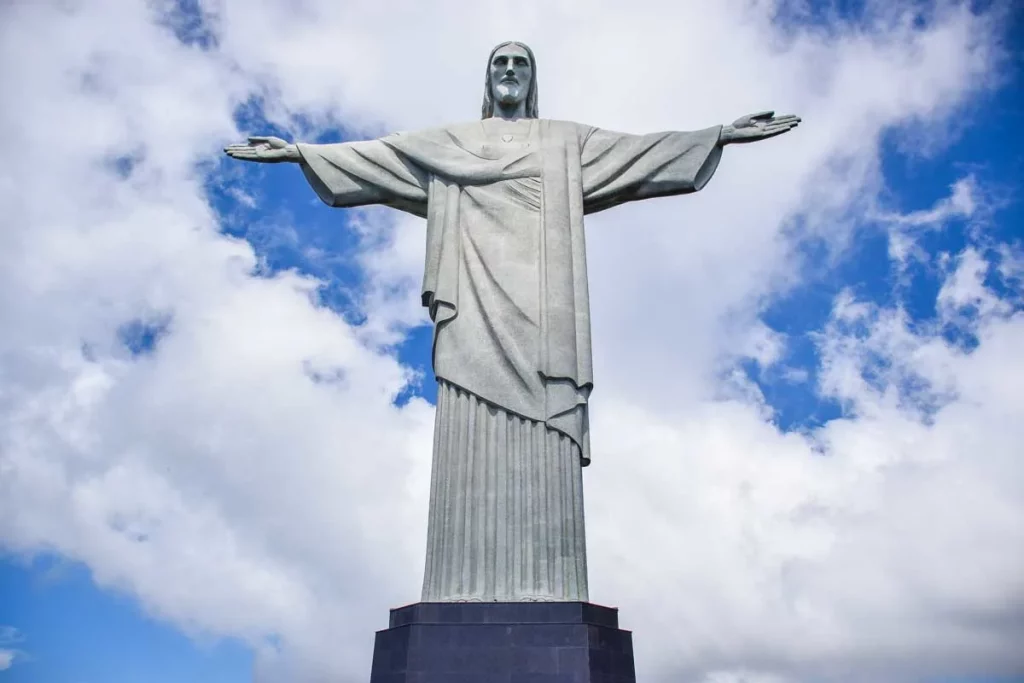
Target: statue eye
[{"x": 521, "y": 61}]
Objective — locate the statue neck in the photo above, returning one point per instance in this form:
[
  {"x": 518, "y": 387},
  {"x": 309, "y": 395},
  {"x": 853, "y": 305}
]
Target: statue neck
[{"x": 509, "y": 111}]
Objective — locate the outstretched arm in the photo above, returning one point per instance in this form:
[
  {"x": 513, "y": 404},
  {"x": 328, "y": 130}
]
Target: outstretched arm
[
  {"x": 619, "y": 168},
  {"x": 346, "y": 174},
  {"x": 759, "y": 126}
]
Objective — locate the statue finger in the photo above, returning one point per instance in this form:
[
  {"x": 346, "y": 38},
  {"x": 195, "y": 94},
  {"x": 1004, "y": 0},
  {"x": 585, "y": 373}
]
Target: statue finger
[
  {"x": 769, "y": 134},
  {"x": 259, "y": 139},
  {"x": 762, "y": 115}
]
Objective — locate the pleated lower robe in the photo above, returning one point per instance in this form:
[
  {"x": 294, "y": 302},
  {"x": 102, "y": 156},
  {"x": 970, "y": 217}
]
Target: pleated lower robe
[{"x": 506, "y": 507}]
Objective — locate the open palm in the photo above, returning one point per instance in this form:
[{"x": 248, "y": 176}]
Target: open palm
[
  {"x": 759, "y": 126},
  {"x": 265, "y": 148}
]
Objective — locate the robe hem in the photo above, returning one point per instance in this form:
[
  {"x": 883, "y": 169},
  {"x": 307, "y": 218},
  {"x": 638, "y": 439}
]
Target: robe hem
[{"x": 584, "y": 461}]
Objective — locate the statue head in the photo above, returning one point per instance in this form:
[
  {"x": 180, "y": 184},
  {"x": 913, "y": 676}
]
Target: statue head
[{"x": 511, "y": 79}]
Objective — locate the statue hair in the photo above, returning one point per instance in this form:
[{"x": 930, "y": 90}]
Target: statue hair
[{"x": 531, "y": 95}]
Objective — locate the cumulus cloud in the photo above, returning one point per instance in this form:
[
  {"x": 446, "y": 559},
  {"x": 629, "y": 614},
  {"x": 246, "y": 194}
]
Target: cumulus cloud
[
  {"x": 249, "y": 475},
  {"x": 965, "y": 289},
  {"x": 891, "y": 535},
  {"x": 962, "y": 203},
  {"x": 9, "y": 636}
]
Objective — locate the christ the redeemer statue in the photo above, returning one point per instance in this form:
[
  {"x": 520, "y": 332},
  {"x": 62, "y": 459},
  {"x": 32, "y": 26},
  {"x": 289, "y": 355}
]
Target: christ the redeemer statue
[{"x": 506, "y": 287}]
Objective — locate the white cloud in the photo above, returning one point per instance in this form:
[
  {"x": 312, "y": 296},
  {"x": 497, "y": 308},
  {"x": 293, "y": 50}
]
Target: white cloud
[
  {"x": 227, "y": 491},
  {"x": 741, "y": 676},
  {"x": 1011, "y": 263},
  {"x": 966, "y": 288},
  {"x": 9, "y": 636},
  {"x": 885, "y": 545},
  {"x": 764, "y": 345},
  {"x": 962, "y": 203}
]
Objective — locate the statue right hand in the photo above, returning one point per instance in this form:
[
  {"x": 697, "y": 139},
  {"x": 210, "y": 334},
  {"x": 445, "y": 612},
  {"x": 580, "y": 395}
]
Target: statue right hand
[{"x": 268, "y": 149}]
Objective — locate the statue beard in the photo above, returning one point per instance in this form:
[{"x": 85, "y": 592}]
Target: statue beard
[{"x": 508, "y": 95}]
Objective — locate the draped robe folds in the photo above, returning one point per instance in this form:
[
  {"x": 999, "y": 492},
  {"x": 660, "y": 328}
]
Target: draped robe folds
[{"x": 505, "y": 278}]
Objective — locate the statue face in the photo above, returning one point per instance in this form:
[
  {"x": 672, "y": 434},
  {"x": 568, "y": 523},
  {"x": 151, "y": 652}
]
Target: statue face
[{"x": 511, "y": 73}]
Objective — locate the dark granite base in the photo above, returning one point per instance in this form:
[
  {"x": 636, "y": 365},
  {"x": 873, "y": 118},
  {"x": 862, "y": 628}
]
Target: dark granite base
[{"x": 503, "y": 642}]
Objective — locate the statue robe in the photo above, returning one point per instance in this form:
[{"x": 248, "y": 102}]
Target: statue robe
[{"x": 505, "y": 282}]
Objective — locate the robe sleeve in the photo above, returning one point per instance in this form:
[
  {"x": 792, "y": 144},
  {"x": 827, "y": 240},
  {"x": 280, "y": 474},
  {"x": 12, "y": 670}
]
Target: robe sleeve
[
  {"x": 353, "y": 174},
  {"x": 619, "y": 168}
]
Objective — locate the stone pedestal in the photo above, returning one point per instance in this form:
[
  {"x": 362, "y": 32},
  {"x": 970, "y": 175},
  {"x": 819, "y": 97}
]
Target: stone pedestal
[{"x": 503, "y": 642}]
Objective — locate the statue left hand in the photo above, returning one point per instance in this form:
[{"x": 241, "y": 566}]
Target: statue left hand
[{"x": 760, "y": 126}]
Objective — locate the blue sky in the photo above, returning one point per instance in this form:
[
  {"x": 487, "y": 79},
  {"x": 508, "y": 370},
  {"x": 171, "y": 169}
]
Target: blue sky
[
  {"x": 989, "y": 147},
  {"x": 72, "y": 631},
  {"x": 74, "y": 615}
]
